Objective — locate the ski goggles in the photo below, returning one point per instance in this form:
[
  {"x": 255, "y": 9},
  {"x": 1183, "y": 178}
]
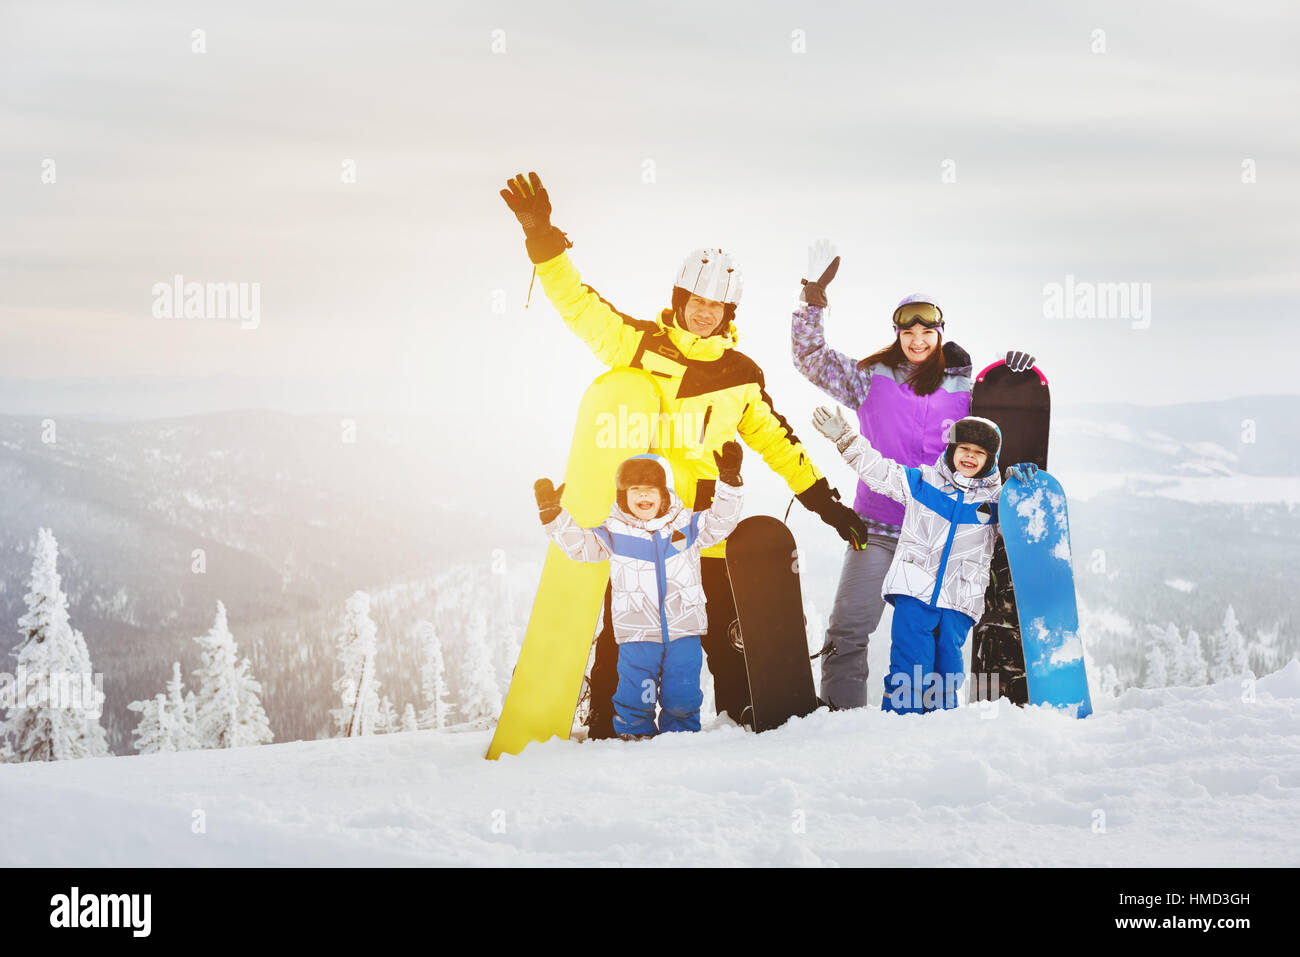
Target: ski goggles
[{"x": 926, "y": 313}]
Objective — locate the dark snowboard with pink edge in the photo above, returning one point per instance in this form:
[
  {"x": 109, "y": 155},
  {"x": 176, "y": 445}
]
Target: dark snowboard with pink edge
[{"x": 1021, "y": 404}]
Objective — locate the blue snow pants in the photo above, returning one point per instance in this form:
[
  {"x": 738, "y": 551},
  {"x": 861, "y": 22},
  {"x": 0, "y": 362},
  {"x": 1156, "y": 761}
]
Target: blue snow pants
[
  {"x": 925, "y": 666},
  {"x": 650, "y": 671}
]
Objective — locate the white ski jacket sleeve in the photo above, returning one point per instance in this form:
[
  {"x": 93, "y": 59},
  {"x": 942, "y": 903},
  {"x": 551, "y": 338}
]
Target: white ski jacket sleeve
[
  {"x": 879, "y": 473},
  {"x": 721, "y": 518},
  {"x": 580, "y": 544}
]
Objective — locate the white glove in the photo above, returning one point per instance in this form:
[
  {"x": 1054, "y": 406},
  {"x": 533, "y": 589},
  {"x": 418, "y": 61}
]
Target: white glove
[
  {"x": 829, "y": 422},
  {"x": 820, "y": 255}
]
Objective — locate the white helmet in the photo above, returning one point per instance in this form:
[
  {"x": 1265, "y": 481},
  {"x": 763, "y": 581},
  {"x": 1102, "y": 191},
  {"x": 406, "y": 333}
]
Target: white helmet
[{"x": 710, "y": 274}]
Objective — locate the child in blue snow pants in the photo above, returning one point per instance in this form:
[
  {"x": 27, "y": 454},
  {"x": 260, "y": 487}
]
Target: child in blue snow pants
[
  {"x": 649, "y": 671},
  {"x": 925, "y": 666},
  {"x": 940, "y": 569},
  {"x": 657, "y": 605}
]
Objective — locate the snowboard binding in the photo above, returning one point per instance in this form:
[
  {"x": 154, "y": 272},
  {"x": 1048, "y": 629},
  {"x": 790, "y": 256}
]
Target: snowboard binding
[{"x": 735, "y": 637}]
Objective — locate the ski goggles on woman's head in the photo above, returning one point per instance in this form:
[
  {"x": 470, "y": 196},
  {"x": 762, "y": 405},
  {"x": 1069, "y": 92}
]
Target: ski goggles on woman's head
[{"x": 926, "y": 313}]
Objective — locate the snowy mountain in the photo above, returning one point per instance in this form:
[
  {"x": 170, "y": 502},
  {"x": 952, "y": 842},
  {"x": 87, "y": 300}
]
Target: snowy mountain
[
  {"x": 1252, "y": 436},
  {"x": 279, "y": 516}
]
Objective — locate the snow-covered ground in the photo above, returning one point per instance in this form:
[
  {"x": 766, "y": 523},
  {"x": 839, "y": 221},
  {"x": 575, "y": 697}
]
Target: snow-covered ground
[{"x": 1174, "y": 777}]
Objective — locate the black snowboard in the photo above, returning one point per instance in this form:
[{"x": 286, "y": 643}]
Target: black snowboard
[
  {"x": 1021, "y": 404},
  {"x": 761, "y": 562}
]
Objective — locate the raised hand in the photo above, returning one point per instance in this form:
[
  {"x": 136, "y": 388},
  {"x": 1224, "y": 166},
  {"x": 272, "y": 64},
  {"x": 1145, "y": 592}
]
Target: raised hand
[
  {"x": 820, "y": 255},
  {"x": 823, "y": 263},
  {"x": 529, "y": 201},
  {"x": 728, "y": 459},
  {"x": 829, "y": 422},
  {"x": 548, "y": 499}
]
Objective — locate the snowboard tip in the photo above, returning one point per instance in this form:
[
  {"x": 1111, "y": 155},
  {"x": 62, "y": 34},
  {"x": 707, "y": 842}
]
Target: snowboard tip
[{"x": 1042, "y": 379}]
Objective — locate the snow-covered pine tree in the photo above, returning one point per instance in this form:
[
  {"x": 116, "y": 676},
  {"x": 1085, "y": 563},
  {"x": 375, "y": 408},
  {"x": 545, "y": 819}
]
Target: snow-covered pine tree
[
  {"x": 150, "y": 734},
  {"x": 508, "y": 629},
  {"x": 251, "y": 724},
  {"x": 217, "y": 700},
  {"x": 1195, "y": 671},
  {"x": 386, "y": 721},
  {"x": 1175, "y": 649},
  {"x": 56, "y": 708},
  {"x": 166, "y": 720},
  {"x": 433, "y": 679},
  {"x": 227, "y": 712},
  {"x": 479, "y": 697},
  {"x": 180, "y": 711},
  {"x": 1158, "y": 663},
  {"x": 357, "y": 687},
  {"x": 409, "y": 723},
  {"x": 1230, "y": 657},
  {"x": 1264, "y": 654},
  {"x": 93, "y": 735}
]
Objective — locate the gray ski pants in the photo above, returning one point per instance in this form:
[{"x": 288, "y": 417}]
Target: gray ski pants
[{"x": 857, "y": 611}]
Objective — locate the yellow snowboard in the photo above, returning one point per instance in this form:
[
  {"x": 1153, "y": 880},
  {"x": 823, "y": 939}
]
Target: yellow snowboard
[{"x": 618, "y": 418}]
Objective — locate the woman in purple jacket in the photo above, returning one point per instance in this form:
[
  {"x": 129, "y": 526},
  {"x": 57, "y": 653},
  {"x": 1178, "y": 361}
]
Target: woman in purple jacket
[{"x": 905, "y": 395}]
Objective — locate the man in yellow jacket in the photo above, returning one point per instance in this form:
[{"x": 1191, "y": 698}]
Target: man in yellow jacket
[{"x": 713, "y": 393}]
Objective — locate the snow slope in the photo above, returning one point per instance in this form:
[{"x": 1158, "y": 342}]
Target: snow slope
[{"x": 1182, "y": 776}]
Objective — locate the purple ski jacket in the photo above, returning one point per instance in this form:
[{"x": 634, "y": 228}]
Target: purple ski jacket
[{"x": 899, "y": 424}]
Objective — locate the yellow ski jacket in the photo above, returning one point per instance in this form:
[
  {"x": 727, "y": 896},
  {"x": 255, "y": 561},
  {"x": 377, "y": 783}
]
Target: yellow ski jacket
[{"x": 712, "y": 392}]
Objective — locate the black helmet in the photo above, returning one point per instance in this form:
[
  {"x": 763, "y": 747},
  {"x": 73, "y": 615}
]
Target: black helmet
[{"x": 975, "y": 431}]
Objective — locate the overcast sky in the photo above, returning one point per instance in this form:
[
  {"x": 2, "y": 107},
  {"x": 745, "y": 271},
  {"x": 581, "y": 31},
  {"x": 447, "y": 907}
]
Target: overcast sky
[{"x": 657, "y": 128}]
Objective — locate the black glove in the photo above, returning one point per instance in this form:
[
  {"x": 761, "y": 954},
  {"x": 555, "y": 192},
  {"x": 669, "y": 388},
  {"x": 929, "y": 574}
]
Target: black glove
[
  {"x": 825, "y": 501},
  {"x": 955, "y": 357},
  {"x": 1019, "y": 361},
  {"x": 814, "y": 293},
  {"x": 529, "y": 201},
  {"x": 728, "y": 460},
  {"x": 548, "y": 500}
]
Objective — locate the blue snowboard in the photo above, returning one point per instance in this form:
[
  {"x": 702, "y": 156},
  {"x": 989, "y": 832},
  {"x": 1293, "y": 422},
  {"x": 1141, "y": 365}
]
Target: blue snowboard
[{"x": 1036, "y": 531}]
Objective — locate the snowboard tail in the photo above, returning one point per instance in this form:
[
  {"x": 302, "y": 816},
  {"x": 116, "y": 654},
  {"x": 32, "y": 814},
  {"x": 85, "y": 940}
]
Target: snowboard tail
[
  {"x": 761, "y": 562},
  {"x": 547, "y": 679},
  {"x": 1036, "y": 532}
]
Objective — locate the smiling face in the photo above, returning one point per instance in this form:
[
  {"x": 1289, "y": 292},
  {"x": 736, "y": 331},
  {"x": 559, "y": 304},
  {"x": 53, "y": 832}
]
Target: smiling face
[
  {"x": 969, "y": 459},
  {"x": 702, "y": 316},
  {"x": 644, "y": 501},
  {"x": 918, "y": 342}
]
